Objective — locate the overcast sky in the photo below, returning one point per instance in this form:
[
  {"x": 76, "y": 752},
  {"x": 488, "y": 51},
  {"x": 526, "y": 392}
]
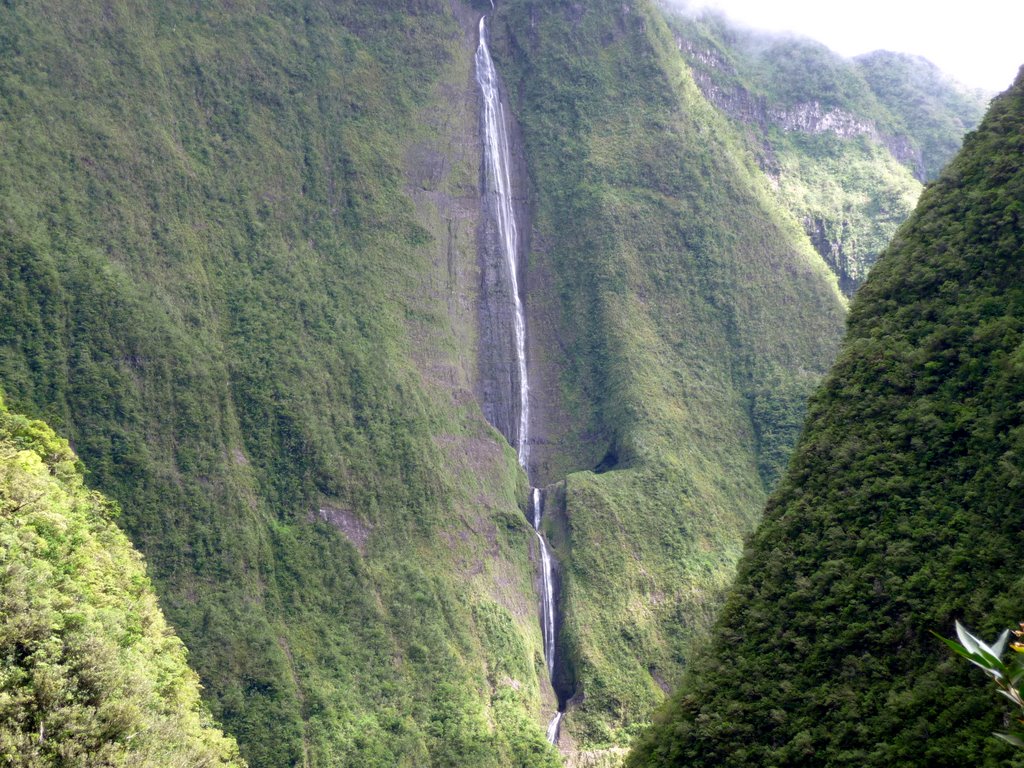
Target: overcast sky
[{"x": 979, "y": 42}]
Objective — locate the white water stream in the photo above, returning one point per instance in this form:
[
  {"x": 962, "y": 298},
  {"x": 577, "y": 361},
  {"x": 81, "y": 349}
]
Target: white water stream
[
  {"x": 498, "y": 188},
  {"x": 547, "y": 598}
]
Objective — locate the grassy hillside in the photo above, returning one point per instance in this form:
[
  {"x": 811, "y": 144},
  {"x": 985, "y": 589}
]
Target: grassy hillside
[
  {"x": 680, "y": 317},
  {"x": 238, "y": 271},
  {"x": 900, "y": 511},
  {"x": 90, "y": 673},
  {"x": 846, "y": 142}
]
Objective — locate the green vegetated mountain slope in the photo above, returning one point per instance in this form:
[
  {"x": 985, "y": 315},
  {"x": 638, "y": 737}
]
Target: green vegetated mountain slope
[
  {"x": 238, "y": 271},
  {"x": 678, "y": 318},
  {"x": 90, "y": 673},
  {"x": 847, "y": 142},
  {"x": 900, "y": 512},
  {"x": 930, "y": 108}
]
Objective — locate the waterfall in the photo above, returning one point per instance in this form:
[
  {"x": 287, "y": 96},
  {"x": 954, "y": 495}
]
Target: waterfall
[
  {"x": 547, "y": 597},
  {"x": 498, "y": 190},
  {"x": 553, "y": 726}
]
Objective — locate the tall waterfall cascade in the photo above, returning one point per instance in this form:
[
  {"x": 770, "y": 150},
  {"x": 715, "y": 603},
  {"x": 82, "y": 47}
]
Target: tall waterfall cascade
[
  {"x": 499, "y": 194},
  {"x": 498, "y": 188}
]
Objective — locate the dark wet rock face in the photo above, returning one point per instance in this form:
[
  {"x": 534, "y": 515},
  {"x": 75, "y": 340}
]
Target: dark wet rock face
[{"x": 499, "y": 372}]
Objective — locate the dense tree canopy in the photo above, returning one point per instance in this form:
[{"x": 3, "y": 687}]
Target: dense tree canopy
[{"x": 90, "y": 673}]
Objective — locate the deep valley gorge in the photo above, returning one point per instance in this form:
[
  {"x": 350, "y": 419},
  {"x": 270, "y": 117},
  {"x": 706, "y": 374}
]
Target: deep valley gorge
[{"x": 470, "y": 383}]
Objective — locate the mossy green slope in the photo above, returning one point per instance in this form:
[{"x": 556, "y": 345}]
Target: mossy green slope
[
  {"x": 90, "y": 673},
  {"x": 930, "y": 107},
  {"x": 900, "y": 511},
  {"x": 846, "y": 142},
  {"x": 681, "y": 317},
  {"x": 220, "y": 231}
]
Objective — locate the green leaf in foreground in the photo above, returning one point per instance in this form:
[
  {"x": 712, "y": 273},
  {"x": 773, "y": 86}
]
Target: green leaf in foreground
[{"x": 1006, "y": 676}]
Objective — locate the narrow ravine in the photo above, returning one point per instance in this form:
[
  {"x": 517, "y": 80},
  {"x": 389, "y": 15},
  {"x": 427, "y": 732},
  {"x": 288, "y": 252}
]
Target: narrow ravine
[{"x": 498, "y": 195}]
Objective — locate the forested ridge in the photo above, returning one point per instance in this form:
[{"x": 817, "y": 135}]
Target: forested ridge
[
  {"x": 900, "y": 511},
  {"x": 90, "y": 672}
]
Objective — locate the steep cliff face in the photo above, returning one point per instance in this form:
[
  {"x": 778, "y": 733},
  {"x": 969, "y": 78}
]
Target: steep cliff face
[
  {"x": 900, "y": 512},
  {"x": 847, "y": 142},
  {"x": 677, "y": 317},
  {"x": 238, "y": 260}
]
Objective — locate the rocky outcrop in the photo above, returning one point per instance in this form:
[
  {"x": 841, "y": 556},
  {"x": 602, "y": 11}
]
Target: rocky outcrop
[
  {"x": 833, "y": 241},
  {"x": 354, "y": 529},
  {"x": 813, "y": 117},
  {"x": 708, "y": 68}
]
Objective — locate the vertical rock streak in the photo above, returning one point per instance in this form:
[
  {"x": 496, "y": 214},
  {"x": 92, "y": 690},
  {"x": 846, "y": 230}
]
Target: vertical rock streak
[{"x": 498, "y": 187}]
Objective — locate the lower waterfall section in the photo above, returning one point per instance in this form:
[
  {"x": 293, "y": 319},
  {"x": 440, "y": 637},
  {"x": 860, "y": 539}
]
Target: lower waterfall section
[
  {"x": 547, "y": 597},
  {"x": 548, "y": 603},
  {"x": 509, "y": 405},
  {"x": 555, "y": 726}
]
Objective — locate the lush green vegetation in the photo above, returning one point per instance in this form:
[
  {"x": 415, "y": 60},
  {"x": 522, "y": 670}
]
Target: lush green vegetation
[
  {"x": 930, "y": 107},
  {"x": 683, "y": 317},
  {"x": 90, "y": 673},
  {"x": 851, "y": 197},
  {"x": 899, "y": 514},
  {"x": 238, "y": 271},
  {"x": 229, "y": 276},
  {"x": 843, "y": 140}
]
